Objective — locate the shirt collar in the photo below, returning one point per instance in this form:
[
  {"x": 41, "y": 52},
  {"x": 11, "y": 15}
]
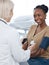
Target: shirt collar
[{"x": 4, "y": 21}]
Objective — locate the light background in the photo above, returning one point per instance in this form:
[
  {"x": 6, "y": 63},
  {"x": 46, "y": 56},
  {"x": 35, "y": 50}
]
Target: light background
[{"x": 25, "y": 7}]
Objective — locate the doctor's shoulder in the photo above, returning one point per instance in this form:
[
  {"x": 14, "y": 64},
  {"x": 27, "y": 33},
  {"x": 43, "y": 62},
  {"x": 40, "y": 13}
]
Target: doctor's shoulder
[{"x": 12, "y": 30}]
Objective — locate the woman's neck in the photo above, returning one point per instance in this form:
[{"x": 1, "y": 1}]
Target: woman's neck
[{"x": 43, "y": 25}]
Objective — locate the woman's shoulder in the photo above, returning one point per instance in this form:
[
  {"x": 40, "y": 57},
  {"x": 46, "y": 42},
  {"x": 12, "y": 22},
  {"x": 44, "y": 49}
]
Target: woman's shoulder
[
  {"x": 33, "y": 26},
  {"x": 47, "y": 27},
  {"x": 47, "y": 31}
]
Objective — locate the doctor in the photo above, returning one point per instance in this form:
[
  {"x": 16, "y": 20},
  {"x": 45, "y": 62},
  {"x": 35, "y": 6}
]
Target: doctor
[{"x": 10, "y": 51}]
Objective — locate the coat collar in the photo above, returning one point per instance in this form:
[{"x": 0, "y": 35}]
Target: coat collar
[{"x": 3, "y": 20}]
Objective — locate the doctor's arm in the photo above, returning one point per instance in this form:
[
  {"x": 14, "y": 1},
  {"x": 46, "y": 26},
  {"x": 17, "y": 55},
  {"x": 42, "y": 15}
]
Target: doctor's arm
[{"x": 17, "y": 52}]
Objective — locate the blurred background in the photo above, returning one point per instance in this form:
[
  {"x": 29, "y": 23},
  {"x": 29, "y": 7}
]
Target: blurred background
[{"x": 23, "y": 14}]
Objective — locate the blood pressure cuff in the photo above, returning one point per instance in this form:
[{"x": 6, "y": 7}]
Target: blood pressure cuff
[{"x": 44, "y": 43}]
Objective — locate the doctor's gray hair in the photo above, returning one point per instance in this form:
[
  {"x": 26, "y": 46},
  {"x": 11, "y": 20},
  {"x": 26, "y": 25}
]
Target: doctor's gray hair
[{"x": 5, "y": 7}]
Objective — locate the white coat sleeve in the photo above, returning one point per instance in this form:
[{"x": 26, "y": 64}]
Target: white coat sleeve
[{"x": 16, "y": 50}]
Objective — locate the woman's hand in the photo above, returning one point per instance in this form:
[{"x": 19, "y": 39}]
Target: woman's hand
[
  {"x": 37, "y": 52},
  {"x": 31, "y": 47}
]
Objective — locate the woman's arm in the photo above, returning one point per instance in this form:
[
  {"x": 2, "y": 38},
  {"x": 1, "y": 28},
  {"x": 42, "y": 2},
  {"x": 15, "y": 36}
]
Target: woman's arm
[
  {"x": 42, "y": 47},
  {"x": 37, "y": 52}
]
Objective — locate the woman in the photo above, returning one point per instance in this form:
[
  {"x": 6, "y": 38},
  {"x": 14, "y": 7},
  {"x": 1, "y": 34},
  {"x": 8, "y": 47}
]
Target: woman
[
  {"x": 10, "y": 51},
  {"x": 40, "y": 35}
]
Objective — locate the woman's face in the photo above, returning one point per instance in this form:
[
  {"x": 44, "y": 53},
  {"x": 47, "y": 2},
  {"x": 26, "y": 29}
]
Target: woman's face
[
  {"x": 39, "y": 16},
  {"x": 10, "y": 16}
]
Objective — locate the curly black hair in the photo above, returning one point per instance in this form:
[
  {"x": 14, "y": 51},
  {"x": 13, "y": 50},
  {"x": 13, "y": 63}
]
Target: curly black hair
[{"x": 43, "y": 7}]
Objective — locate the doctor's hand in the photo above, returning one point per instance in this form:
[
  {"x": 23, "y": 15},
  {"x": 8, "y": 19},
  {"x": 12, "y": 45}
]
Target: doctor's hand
[{"x": 25, "y": 45}]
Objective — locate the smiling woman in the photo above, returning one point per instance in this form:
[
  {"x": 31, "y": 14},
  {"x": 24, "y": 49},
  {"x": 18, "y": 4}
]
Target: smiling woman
[{"x": 39, "y": 34}]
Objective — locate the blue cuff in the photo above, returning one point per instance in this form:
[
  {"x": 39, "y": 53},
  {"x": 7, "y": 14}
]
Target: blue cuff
[{"x": 44, "y": 43}]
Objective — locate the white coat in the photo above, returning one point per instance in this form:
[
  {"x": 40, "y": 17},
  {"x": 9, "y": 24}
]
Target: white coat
[{"x": 11, "y": 53}]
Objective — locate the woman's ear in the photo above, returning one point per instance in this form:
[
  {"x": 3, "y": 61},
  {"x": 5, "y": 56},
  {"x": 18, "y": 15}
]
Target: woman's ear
[
  {"x": 45, "y": 16},
  {"x": 10, "y": 16},
  {"x": 11, "y": 12}
]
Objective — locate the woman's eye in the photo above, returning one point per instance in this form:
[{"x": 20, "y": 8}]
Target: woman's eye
[
  {"x": 34, "y": 16},
  {"x": 37, "y": 15}
]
